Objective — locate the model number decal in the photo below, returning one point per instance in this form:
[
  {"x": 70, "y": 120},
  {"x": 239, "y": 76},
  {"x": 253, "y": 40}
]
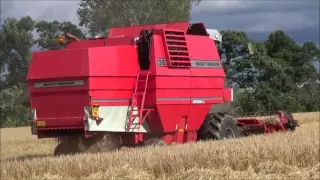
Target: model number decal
[
  {"x": 162, "y": 62},
  {"x": 59, "y": 84}
]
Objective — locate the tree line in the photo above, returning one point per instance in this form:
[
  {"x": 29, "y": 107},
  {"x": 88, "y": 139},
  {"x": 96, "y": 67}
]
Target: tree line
[{"x": 279, "y": 75}]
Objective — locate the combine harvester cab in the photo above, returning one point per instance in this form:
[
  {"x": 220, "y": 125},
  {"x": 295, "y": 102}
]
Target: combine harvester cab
[{"x": 142, "y": 85}]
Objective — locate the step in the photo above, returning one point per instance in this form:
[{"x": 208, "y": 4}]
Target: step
[
  {"x": 143, "y": 72},
  {"x": 134, "y": 113},
  {"x": 137, "y": 113},
  {"x": 139, "y": 93},
  {"x": 148, "y": 109},
  {"x": 142, "y": 80},
  {"x": 136, "y": 123},
  {"x": 135, "y": 126}
]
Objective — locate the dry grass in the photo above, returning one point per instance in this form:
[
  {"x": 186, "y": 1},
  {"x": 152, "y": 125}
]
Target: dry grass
[
  {"x": 277, "y": 156},
  {"x": 305, "y": 118}
]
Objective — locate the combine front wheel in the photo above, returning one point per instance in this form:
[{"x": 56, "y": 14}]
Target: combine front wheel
[
  {"x": 292, "y": 123},
  {"x": 218, "y": 126}
]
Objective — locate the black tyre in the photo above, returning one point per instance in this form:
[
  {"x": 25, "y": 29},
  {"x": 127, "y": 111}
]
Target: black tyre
[
  {"x": 292, "y": 123},
  {"x": 218, "y": 126},
  {"x": 155, "y": 142},
  {"x": 103, "y": 142},
  {"x": 67, "y": 147}
]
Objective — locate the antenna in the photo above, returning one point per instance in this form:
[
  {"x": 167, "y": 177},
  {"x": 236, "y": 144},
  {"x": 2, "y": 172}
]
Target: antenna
[{"x": 251, "y": 48}]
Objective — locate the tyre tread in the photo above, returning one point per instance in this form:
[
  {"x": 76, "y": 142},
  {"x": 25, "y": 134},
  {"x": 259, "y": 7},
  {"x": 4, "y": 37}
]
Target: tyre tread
[{"x": 213, "y": 125}]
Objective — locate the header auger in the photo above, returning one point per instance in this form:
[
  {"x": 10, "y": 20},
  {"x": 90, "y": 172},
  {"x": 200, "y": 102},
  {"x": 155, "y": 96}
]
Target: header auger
[{"x": 142, "y": 85}]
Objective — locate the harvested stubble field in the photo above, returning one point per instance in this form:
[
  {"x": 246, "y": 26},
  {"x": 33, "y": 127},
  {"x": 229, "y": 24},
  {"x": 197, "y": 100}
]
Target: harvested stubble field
[{"x": 277, "y": 156}]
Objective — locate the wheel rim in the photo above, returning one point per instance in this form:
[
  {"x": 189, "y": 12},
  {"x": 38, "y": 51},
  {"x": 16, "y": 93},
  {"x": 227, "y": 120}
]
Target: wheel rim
[{"x": 229, "y": 134}]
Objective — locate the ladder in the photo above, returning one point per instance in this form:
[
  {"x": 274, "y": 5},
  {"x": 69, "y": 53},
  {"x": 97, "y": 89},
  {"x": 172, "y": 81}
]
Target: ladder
[
  {"x": 176, "y": 48},
  {"x": 138, "y": 101}
]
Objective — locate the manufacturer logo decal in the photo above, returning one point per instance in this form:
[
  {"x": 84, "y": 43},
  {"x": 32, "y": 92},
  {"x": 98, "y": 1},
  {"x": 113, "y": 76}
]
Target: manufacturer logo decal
[{"x": 59, "y": 84}]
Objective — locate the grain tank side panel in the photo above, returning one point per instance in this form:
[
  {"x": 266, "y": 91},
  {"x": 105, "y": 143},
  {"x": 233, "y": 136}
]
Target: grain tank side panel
[
  {"x": 172, "y": 91},
  {"x": 113, "y": 71},
  {"x": 54, "y": 64},
  {"x": 206, "y": 79},
  {"x": 113, "y": 61},
  {"x": 58, "y": 86}
]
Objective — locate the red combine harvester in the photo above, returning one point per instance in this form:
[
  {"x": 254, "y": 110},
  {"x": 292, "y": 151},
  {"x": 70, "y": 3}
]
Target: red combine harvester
[{"x": 142, "y": 85}]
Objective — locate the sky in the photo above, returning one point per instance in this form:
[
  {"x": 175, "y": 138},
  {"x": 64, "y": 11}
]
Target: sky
[{"x": 298, "y": 18}]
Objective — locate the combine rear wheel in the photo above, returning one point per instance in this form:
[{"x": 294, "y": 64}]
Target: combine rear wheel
[
  {"x": 218, "y": 126},
  {"x": 102, "y": 142},
  {"x": 155, "y": 142},
  {"x": 67, "y": 146}
]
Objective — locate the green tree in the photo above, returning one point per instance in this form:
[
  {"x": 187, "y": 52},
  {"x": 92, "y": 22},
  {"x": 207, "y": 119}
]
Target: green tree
[
  {"x": 236, "y": 58},
  {"x": 12, "y": 113},
  {"x": 280, "y": 75},
  {"x": 97, "y": 16},
  {"x": 299, "y": 59},
  {"x": 48, "y": 40},
  {"x": 298, "y": 72},
  {"x": 16, "y": 41},
  {"x": 49, "y": 32}
]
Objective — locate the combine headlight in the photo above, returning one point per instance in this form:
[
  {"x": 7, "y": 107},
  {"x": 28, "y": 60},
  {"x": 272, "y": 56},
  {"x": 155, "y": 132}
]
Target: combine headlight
[{"x": 61, "y": 39}]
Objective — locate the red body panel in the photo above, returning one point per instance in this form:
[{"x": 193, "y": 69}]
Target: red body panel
[
  {"x": 63, "y": 107},
  {"x": 60, "y": 109},
  {"x": 181, "y": 97},
  {"x": 60, "y": 106},
  {"x": 172, "y": 90},
  {"x": 112, "y": 74},
  {"x": 86, "y": 44},
  {"x": 135, "y": 30},
  {"x": 69, "y": 63}
]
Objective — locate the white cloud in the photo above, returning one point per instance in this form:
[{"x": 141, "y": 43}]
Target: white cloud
[
  {"x": 50, "y": 10},
  {"x": 288, "y": 21},
  {"x": 219, "y": 6},
  {"x": 258, "y": 16},
  {"x": 251, "y": 16}
]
